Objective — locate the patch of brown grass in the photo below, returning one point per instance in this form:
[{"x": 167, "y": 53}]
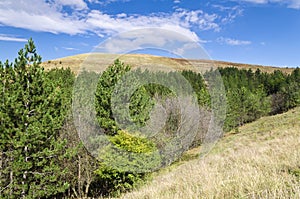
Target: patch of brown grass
[
  {"x": 98, "y": 62},
  {"x": 262, "y": 161}
]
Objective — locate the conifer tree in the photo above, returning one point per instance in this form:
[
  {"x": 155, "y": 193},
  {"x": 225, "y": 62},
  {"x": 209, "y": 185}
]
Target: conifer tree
[
  {"x": 33, "y": 112},
  {"x": 106, "y": 84}
]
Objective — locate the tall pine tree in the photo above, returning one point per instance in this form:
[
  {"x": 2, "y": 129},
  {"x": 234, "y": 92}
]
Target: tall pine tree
[{"x": 33, "y": 111}]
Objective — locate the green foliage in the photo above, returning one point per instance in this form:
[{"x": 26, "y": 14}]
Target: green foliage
[
  {"x": 140, "y": 106},
  {"x": 131, "y": 143},
  {"x": 111, "y": 182},
  {"x": 41, "y": 155},
  {"x": 247, "y": 99},
  {"x": 103, "y": 95},
  {"x": 131, "y": 102},
  {"x": 199, "y": 87},
  {"x": 126, "y": 162},
  {"x": 245, "y": 106},
  {"x": 292, "y": 90},
  {"x": 128, "y": 152},
  {"x": 295, "y": 172},
  {"x": 32, "y": 111},
  {"x": 64, "y": 79},
  {"x": 252, "y": 95}
]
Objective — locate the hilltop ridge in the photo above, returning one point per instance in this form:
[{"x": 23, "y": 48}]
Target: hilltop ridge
[{"x": 99, "y": 61}]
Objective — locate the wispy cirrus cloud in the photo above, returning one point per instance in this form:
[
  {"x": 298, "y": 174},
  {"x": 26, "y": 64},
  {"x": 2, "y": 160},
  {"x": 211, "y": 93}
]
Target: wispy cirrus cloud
[
  {"x": 11, "y": 38},
  {"x": 70, "y": 48},
  {"x": 232, "y": 12},
  {"x": 233, "y": 42},
  {"x": 289, "y": 3},
  {"x": 255, "y": 1},
  {"x": 105, "y": 2}
]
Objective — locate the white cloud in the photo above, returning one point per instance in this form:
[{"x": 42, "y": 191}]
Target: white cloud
[
  {"x": 294, "y": 4},
  {"x": 39, "y": 16},
  {"x": 69, "y": 48},
  {"x": 93, "y": 1},
  {"x": 256, "y": 1},
  {"x": 231, "y": 12},
  {"x": 122, "y": 15},
  {"x": 289, "y": 3},
  {"x": 180, "y": 21},
  {"x": 198, "y": 18},
  {"x": 263, "y": 43},
  {"x": 173, "y": 29},
  {"x": 154, "y": 38},
  {"x": 50, "y": 16},
  {"x": 233, "y": 42},
  {"x": 145, "y": 38},
  {"x": 176, "y": 1},
  {"x": 105, "y": 2},
  {"x": 181, "y": 18},
  {"x": 76, "y": 4},
  {"x": 11, "y": 38}
]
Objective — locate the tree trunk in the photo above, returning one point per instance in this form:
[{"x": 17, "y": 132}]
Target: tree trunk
[
  {"x": 24, "y": 174},
  {"x": 27, "y": 105},
  {"x": 79, "y": 177},
  {"x": 11, "y": 174},
  {"x": 1, "y": 169}
]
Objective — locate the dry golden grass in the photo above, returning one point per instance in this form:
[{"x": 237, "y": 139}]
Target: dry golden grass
[
  {"x": 261, "y": 161},
  {"x": 98, "y": 62}
]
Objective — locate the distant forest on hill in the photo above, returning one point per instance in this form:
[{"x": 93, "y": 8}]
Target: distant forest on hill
[{"x": 42, "y": 156}]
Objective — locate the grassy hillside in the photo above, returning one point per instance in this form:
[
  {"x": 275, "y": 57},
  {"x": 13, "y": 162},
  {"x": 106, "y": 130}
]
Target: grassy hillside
[
  {"x": 261, "y": 161},
  {"x": 98, "y": 62}
]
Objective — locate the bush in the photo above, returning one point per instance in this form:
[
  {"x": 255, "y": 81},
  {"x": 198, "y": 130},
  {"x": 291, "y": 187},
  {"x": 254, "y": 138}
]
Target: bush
[
  {"x": 111, "y": 182},
  {"x": 130, "y": 152},
  {"x": 126, "y": 162}
]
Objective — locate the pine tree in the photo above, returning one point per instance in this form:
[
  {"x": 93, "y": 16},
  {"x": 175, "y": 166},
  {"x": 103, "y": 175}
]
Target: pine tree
[
  {"x": 33, "y": 113},
  {"x": 106, "y": 84}
]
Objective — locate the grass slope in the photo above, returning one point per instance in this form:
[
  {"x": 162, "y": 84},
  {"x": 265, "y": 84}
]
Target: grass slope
[
  {"x": 98, "y": 62},
  {"x": 261, "y": 161}
]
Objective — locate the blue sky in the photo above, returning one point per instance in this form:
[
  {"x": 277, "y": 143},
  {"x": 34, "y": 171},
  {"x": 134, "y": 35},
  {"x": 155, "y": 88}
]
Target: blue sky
[{"x": 262, "y": 32}]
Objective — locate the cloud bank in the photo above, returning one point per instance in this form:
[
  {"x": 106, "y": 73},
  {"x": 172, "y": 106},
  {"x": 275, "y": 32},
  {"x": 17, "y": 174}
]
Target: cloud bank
[{"x": 52, "y": 16}]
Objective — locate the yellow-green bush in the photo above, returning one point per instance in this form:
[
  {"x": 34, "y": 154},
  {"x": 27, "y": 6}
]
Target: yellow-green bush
[
  {"x": 125, "y": 162},
  {"x": 132, "y": 143}
]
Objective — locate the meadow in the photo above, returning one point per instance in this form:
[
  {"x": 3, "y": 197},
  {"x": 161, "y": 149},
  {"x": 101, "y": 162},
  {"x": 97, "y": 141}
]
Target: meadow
[{"x": 260, "y": 161}]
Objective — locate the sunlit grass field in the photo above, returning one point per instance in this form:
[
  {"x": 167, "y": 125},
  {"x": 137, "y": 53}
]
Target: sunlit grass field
[
  {"x": 97, "y": 62},
  {"x": 261, "y": 160}
]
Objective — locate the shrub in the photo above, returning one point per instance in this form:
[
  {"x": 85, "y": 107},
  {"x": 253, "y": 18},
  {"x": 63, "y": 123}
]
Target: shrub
[
  {"x": 126, "y": 162},
  {"x": 130, "y": 152},
  {"x": 111, "y": 182}
]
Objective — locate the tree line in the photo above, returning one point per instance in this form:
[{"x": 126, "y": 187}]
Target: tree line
[{"x": 42, "y": 155}]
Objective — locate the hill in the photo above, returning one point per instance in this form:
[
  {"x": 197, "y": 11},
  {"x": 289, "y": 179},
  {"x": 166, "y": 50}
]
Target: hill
[
  {"x": 261, "y": 161},
  {"x": 98, "y": 62}
]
